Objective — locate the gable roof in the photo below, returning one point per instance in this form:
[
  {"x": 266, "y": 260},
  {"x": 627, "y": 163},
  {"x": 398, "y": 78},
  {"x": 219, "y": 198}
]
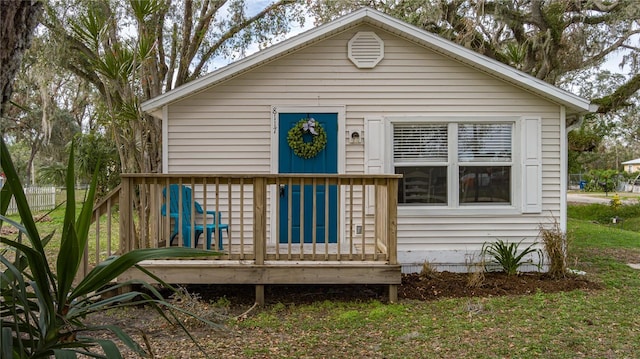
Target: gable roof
[{"x": 575, "y": 105}]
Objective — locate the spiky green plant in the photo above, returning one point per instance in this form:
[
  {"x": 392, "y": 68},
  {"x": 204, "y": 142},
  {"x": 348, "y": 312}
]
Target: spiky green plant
[
  {"x": 507, "y": 255},
  {"x": 42, "y": 313}
]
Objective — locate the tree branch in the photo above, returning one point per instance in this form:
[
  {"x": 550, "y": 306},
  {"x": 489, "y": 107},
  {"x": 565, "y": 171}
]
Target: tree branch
[
  {"x": 232, "y": 32},
  {"x": 618, "y": 99},
  {"x": 172, "y": 58},
  {"x": 602, "y": 54},
  {"x": 159, "y": 42},
  {"x": 600, "y": 6},
  {"x": 187, "y": 25},
  {"x": 206, "y": 16}
]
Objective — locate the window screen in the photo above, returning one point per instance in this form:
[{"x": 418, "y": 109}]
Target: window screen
[
  {"x": 420, "y": 143},
  {"x": 484, "y": 142}
]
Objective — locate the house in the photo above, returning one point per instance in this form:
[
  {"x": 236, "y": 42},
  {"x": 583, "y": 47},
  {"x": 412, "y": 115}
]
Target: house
[
  {"x": 482, "y": 147},
  {"x": 632, "y": 165},
  {"x": 468, "y": 149}
]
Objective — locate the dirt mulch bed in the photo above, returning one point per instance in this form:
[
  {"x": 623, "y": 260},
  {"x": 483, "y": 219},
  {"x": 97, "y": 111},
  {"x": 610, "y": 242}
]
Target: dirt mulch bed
[
  {"x": 414, "y": 287},
  {"x": 455, "y": 285}
]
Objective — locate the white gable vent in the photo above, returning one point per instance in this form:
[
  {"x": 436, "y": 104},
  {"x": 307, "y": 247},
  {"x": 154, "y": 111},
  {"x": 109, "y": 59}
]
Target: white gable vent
[{"x": 366, "y": 49}]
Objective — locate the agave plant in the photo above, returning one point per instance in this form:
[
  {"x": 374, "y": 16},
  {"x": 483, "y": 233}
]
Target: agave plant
[{"x": 43, "y": 313}]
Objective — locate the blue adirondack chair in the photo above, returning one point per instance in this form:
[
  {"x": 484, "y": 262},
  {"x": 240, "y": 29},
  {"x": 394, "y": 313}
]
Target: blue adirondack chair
[{"x": 198, "y": 229}]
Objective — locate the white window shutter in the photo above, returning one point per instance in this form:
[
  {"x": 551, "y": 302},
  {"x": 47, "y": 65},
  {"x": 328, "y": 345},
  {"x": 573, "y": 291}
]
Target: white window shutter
[
  {"x": 531, "y": 165},
  {"x": 374, "y": 145},
  {"x": 374, "y": 150}
]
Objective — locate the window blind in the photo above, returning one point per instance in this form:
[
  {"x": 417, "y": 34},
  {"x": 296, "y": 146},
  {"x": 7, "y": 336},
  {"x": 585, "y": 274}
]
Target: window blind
[
  {"x": 484, "y": 142},
  {"x": 420, "y": 143}
]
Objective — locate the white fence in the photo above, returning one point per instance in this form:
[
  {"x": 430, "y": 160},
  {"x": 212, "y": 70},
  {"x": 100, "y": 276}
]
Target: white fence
[
  {"x": 632, "y": 188},
  {"x": 39, "y": 198}
]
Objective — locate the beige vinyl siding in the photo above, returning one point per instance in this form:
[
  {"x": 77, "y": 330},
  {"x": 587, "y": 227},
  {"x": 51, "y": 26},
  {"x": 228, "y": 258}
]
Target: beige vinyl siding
[{"x": 228, "y": 128}]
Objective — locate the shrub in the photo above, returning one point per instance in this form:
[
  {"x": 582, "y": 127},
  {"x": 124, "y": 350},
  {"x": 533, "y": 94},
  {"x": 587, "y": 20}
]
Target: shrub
[
  {"x": 476, "y": 277},
  {"x": 555, "y": 247},
  {"x": 428, "y": 270},
  {"x": 476, "y": 270},
  {"x": 602, "y": 180},
  {"x": 506, "y": 254},
  {"x": 615, "y": 202},
  {"x": 42, "y": 313}
]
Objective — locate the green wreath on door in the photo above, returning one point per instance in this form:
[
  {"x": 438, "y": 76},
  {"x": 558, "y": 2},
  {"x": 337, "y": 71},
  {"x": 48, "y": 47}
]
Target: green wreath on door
[{"x": 296, "y": 140}]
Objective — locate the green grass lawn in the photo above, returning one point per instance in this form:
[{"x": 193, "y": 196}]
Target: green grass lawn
[
  {"x": 52, "y": 223},
  {"x": 628, "y": 215},
  {"x": 578, "y": 324}
]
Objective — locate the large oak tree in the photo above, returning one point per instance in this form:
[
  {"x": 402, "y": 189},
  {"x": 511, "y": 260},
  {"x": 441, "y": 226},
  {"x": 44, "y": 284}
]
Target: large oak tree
[{"x": 18, "y": 19}]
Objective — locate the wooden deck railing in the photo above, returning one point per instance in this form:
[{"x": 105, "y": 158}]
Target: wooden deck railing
[
  {"x": 105, "y": 212},
  {"x": 353, "y": 217}
]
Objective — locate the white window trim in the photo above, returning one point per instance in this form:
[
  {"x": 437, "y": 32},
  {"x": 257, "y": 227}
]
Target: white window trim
[{"x": 454, "y": 207}]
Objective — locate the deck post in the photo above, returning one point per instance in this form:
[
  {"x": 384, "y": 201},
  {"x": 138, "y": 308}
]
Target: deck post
[
  {"x": 393, "y": 293},
  {"x": 154, "y": 233},
  {"x": 260, "y": 228},
  {"x": 260, "y": 295},
  {"x": 392, "y": 232},
  {"x": 125, "y": 215}
]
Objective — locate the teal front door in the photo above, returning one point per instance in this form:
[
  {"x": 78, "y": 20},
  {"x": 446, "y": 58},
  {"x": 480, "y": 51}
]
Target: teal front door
[{"x": 325, "y": 162}]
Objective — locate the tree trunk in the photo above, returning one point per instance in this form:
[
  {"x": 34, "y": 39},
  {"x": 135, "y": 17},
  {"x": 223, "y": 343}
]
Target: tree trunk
[
  {"x": 18, "y": 18},
  {"x": 31, "y": 175}
]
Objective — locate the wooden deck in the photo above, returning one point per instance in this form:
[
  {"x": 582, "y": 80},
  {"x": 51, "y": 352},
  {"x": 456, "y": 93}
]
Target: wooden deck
[{"x": 260, "y": 248}]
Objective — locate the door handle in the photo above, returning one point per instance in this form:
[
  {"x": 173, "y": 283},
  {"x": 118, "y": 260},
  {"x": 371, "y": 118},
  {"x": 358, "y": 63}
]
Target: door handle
[{"x": 283, "y": 190}]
